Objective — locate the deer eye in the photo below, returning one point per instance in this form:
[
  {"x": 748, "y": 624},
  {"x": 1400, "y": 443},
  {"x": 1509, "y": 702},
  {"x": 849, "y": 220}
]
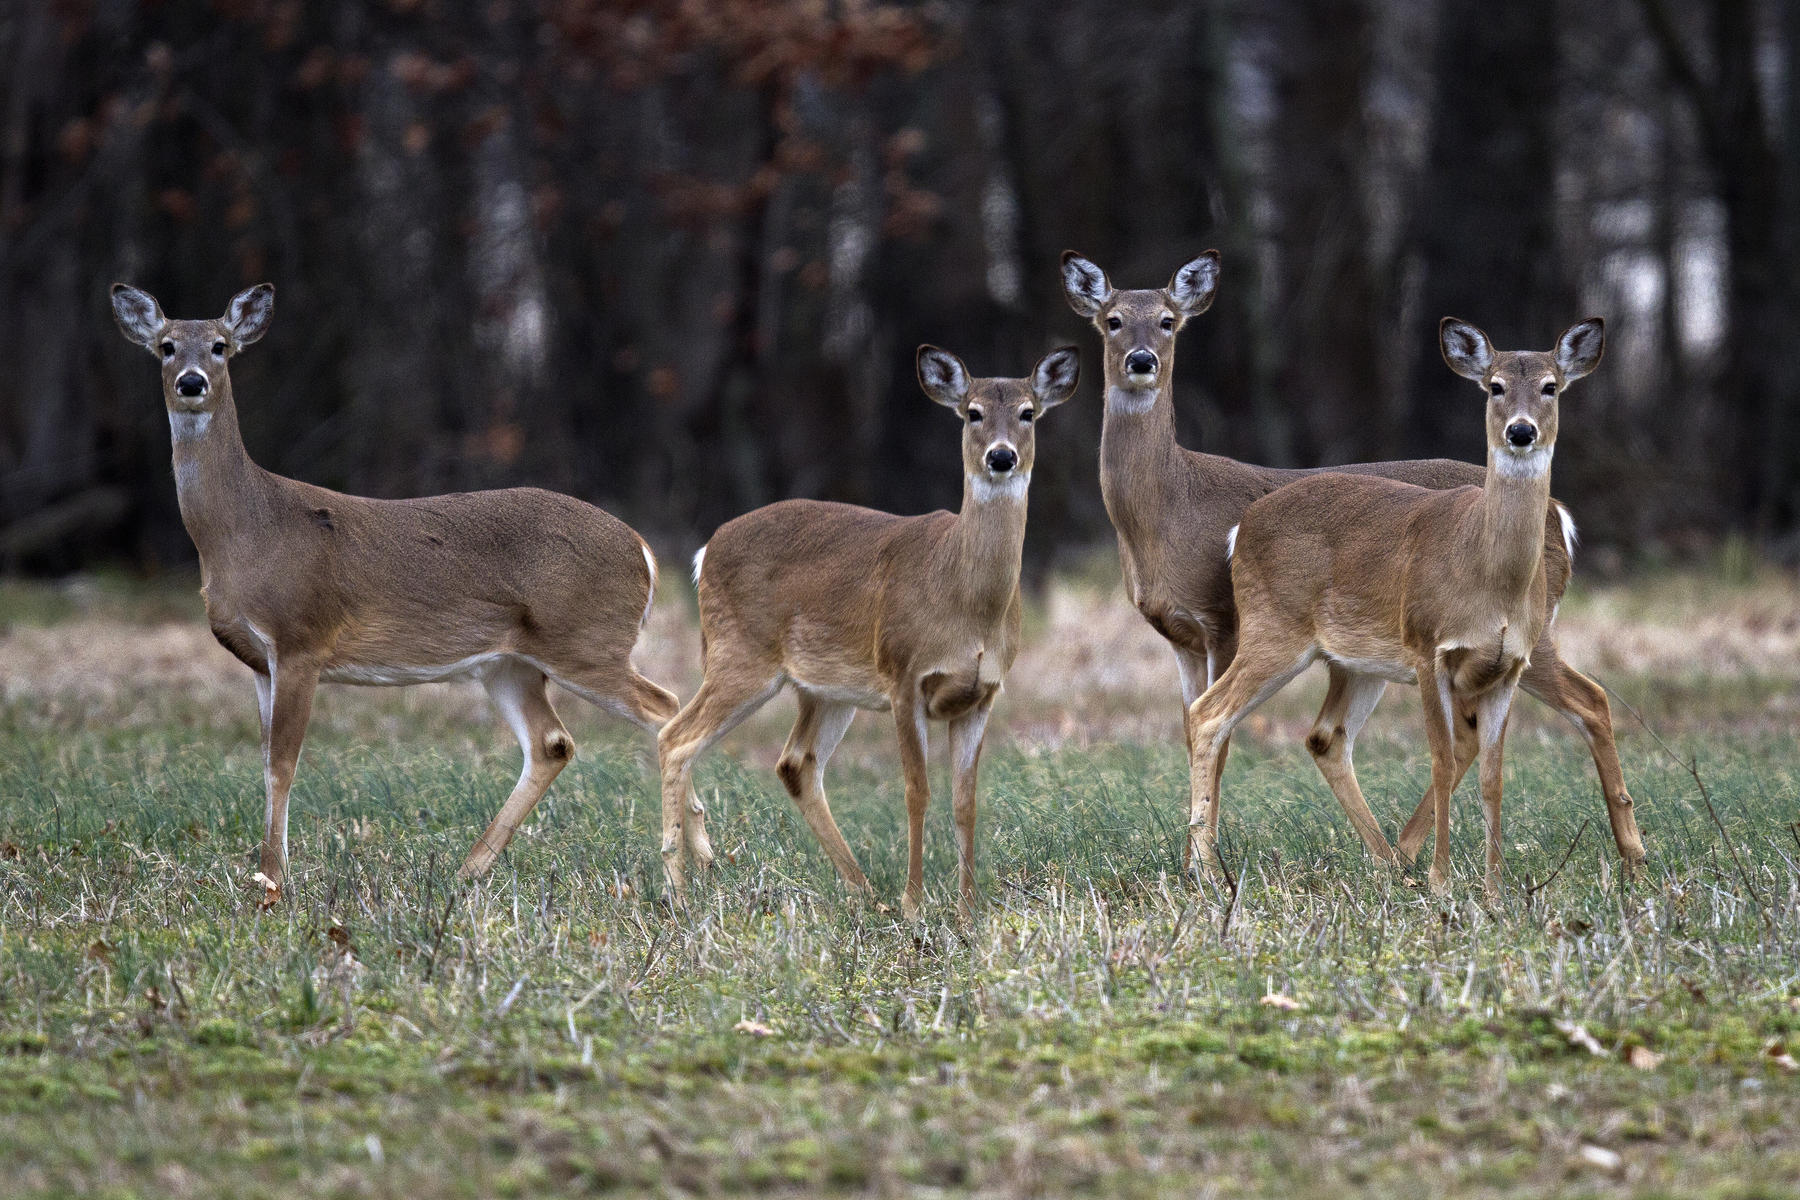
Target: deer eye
[
  {"x": 1114, "y": 324},
  {"x": 1549, "y": 387},
  {"x": 1025, "y": 416},
  {"x": 1496, "y": 388},
  {"x": 974, "y": 416},
  {"x": 168, "y": 349},
  {"x": 1168, "y": 323},
  {"x": 219, "y": 349}
]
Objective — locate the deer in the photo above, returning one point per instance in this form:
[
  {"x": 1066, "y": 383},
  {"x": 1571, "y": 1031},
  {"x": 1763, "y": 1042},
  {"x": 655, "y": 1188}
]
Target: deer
[
  {"x": 1392, "y": 582},
  {"x": 511, "y": 587},
  {"x": 860, "y": 609},
  {"x": 1172, "y": 509}
]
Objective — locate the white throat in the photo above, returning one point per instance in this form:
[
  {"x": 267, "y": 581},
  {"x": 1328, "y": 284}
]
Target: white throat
[
  {"x": 1131, "y": 401},
  {"x": 1523, "y": 464},
  {"x": 1010, "y": 486},
  {"x": 188, "y": 426}
]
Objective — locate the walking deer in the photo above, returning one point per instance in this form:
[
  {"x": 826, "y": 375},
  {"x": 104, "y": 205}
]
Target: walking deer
[
  {"x": 1172, "y": 508},
  {"x": 863, "y": 609},
  {"x": 512, "y": 587},
  {"x": 1389, "y": 581}
]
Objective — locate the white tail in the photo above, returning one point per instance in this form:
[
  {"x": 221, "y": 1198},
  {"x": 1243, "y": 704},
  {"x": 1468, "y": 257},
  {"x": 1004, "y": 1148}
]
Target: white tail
[
  {"x": 1173, "y": 509},
  {"x": 513, "y": 587},
  {"x": 1392, "y": 582},
  {"x": 863, "y": 609}
]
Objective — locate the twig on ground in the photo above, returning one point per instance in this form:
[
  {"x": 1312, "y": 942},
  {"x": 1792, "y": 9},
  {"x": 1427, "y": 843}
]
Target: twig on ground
[
  {"x": 1692, "y": 766},
  {"x": 1531, "y": 889}
]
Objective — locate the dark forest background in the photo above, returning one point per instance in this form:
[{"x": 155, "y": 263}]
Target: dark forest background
[{"x": 674, "y": 255}]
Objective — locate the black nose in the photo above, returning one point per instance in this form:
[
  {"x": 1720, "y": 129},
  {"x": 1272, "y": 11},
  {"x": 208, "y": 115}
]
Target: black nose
[
  {"x": 191, "y": 384},
  {"x": 1001, "y": 458},
  {"x": 1140, "y": 362},
  {"x": 1521, "y": 433}
]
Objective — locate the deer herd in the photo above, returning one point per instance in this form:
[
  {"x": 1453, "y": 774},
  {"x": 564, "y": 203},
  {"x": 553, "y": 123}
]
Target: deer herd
[{"x": 1432, "y": 572}]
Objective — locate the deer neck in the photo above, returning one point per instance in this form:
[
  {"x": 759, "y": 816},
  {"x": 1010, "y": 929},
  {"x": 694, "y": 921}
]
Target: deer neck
[
  {"x": 988, "y": 544},
  {"x": 1137, "y": 438},
  {"x": 1515, "y": 499},
  {"x": 214, "y": 477}
]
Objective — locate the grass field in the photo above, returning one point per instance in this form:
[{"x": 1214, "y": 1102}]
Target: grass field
[{"x": 1106, "y": 1027}]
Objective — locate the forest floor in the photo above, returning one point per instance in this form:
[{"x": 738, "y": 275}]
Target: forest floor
[{"x": 1105, "y": 1026}]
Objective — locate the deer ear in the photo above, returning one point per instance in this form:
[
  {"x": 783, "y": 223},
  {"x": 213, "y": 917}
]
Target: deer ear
[
  {"x": 1085, "y": 285},
  {"x": 1054, "y": 378},
  {"x": 943, "y": 376},
  {"x": 1579, "y": 349},
  {"x": 139, "y": 316},
  {"x": 249, "y": 314},
  {"x": 1466, "y": 349},
  {"x": 1192, "y": 287}
]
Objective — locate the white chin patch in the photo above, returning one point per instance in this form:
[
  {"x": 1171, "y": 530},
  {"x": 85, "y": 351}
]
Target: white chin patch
[
  {"x": 186, "y": 426},
  {"x": 1132, "y": 399},
  {"x": 1522, "y": 464},
  {"x": 1010, "y": 486}
]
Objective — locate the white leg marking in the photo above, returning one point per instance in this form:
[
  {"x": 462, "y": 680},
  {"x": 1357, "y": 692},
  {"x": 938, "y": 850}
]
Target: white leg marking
[{"x": 1188, "y": 667}]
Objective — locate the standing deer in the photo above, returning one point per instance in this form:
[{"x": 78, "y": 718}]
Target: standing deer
[
  {"x": 864, "y": 609},
  {"x": 1389, "y": 581},
  {"x": 1172, "y": 508},
  {"x": 512, "y": 587}
]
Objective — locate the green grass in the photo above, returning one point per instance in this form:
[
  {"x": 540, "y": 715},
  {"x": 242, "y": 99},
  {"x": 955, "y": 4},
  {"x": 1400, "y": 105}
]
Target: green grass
[{"x": 562, "y": 1031}]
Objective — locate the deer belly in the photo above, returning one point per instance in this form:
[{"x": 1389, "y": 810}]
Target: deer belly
[
  {"x": 387, "y": 674},
  {"x": 862, "y": 693}
]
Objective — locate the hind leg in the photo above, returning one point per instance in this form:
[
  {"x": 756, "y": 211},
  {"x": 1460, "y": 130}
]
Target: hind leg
[
  {"x": 1261, "y": 668},
  {"x": 1348, "y": 702},
  {"x": 817, "y": 732},
  {"x": 1583, "y": 702},
  {"x": 517, "y": 690},
  {"x": 726, "y": 697}
]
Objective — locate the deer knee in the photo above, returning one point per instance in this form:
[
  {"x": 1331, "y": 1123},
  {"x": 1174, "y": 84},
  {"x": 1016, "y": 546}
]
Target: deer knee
[{"x": 1321, "y": 740}]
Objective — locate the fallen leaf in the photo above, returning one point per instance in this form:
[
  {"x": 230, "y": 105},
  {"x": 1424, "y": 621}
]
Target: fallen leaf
[
  {"x": 1579, "y": 1036},
  {"x": 339, "y": 935},
  {"x": 271, "y": 890},
  {"x": 100, "y": 951},
  {"x": 1777, "y": 1053},
  {"x": 1277, "y": 1000},
  {"x": 753, "y": 1028},
  {"x": 10, "y": 849},
  {"x": 1600, "y": 1158},
  {"x": 1643, "y": 1058}
]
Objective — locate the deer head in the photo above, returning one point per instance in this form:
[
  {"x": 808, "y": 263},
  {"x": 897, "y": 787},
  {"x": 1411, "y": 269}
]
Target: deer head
[
  {"x": 999, "y": 415},
  {"x": 193, "y": 353},
  {"x": 1523, "y": 388},
  {"x": 1138, "y": 328}
]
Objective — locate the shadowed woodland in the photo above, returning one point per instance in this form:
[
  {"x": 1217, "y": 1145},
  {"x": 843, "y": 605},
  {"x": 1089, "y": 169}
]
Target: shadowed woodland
[{"x": 674, "y": 257}]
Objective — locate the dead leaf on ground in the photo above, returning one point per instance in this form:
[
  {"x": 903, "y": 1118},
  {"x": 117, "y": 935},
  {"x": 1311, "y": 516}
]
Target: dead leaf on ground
[
  {"x": 1643, "y": 1058},
  {"x": 1278, "y": 1000},
  {"x": 753, "y": 1028},
  {"x": 100, "y": 951},
  {"x": 1777, "y": 1053}
]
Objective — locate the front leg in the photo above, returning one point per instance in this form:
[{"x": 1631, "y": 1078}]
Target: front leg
[
  {"x": 909, "y": 725},
  {"x": 966, "y": 735},
  {"x": 1436, "y": 698},
  {"x": 1491, "y": 710},
  {"x": 284, "y": 702}
]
